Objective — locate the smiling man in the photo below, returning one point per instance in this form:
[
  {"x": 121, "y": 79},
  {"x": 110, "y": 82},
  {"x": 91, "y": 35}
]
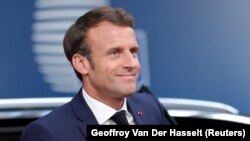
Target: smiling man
[{"x": 103, "y": 50}]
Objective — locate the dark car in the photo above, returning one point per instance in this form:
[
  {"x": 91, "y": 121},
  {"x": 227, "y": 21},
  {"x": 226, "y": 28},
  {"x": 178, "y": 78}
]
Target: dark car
[{"x": 15, "y": 114}]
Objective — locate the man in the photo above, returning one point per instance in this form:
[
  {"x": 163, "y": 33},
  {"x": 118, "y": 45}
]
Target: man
[{"x": 103, "y": 51}]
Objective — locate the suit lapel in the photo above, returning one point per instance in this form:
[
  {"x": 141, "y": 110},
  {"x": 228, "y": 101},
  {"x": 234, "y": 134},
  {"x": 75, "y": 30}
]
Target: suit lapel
[
  {"x": 82, "y": 113},
  {"x": 137, "y": 111}
]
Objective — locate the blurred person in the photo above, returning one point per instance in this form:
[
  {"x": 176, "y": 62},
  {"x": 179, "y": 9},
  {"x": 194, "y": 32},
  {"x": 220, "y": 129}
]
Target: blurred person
[{"x": 103, "y": 50}]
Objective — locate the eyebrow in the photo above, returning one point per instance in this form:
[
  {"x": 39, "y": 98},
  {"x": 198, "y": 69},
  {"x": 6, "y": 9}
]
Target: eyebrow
[{"x": 121, "y": 48}]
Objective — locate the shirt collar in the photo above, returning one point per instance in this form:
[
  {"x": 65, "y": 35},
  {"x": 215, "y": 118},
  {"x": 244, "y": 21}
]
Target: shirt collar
[{"x": 101, "y": 111}]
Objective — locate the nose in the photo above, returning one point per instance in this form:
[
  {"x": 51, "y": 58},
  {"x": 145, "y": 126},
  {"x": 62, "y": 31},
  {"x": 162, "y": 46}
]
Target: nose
[{"x": 130, "y": 60}]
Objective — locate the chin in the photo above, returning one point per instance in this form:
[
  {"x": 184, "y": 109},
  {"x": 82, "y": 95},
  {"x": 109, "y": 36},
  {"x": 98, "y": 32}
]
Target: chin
[
  {"x": 130, "y": 90},
  {"x": 125, "y": 88}
]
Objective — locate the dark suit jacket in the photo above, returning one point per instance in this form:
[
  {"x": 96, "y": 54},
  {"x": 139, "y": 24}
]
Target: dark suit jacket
[{"x": 69, "y": 122}]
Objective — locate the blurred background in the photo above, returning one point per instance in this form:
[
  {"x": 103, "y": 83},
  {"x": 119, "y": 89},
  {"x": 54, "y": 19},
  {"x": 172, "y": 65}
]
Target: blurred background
[{"x": 195, "y": 49}]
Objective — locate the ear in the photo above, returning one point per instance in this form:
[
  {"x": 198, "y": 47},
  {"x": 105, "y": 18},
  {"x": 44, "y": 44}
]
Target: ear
[{"x": 80, "y": 63}]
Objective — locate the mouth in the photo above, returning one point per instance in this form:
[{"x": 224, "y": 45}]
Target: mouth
[{"x": 127, "y": 76}]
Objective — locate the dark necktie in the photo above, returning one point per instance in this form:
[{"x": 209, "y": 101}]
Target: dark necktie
[{"x": 120, "y": 118}]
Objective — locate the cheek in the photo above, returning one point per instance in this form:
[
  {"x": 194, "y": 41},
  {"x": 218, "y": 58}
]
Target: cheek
[
  {"x": 111, "y": 68},
  {"x": 106, "y": 67}
]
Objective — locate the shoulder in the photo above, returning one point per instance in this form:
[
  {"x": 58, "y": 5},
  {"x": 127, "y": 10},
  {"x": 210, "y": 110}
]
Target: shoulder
[
  {"x": 38, "y": 131},
  {"x": 153, "y": 109},
  {"x": 57, "y": 115},
  {"x": 146, "y": 98},
  {"x": 50, "y": 126}
]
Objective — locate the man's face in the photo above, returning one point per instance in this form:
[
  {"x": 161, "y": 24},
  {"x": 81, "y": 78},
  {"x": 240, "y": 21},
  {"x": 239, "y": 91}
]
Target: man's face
[{"x": 115, "y": 65}]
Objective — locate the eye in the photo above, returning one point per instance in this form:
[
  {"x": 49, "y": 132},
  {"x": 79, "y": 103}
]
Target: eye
[
  {"x": 134, "y": 52},
  {"x": 114, "y": 52}
]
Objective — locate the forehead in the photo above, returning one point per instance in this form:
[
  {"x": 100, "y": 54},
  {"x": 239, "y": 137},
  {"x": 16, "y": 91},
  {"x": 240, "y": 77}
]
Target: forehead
[{"x": 106, "y": 31}]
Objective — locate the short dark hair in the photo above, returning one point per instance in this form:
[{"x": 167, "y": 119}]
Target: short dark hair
[{"x": 75, "y": 39}]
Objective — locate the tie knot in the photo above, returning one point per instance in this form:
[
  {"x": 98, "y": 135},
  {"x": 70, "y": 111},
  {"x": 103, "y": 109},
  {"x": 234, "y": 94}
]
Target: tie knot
[{"x": 120, "y": 118}]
